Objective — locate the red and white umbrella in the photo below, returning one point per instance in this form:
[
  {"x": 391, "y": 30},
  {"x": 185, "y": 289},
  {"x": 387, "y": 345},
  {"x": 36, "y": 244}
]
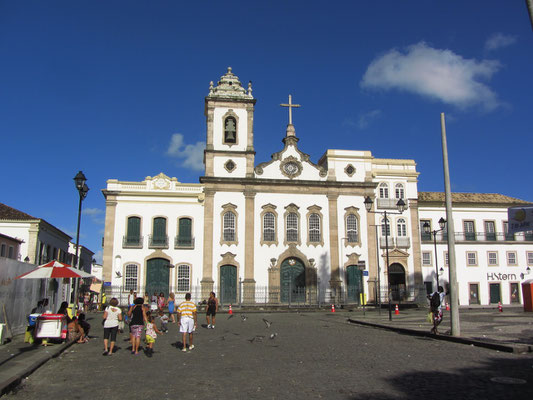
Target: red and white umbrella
[{"x": 54, "y": 269}]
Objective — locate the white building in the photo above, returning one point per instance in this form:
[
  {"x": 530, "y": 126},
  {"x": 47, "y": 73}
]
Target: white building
[{"x": 285, "y": 230}]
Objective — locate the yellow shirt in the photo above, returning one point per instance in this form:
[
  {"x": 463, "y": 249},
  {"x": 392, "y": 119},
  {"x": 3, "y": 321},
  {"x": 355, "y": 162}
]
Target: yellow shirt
[{"x": 186, "y": 309}]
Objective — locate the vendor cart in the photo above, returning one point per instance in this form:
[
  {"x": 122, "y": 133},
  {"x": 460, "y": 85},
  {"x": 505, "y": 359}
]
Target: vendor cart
[{"x": 52, "y": 326}]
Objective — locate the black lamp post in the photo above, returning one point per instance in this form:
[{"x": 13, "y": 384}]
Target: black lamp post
[
  {"x": 427, "y": 230},
  {"x": 400, "y": 206},
  {"x": 82, "y": 188}
]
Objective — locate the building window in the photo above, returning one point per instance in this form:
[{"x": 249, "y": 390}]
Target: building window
[
  {"x": 529, "y": 258},
  {"x": 269, "y": 227},
  {"x": 3, "y": 250},
  {"x": 230, "y": 130},
  {"x": 492, "y": 258},
  {"x": 515, "y": 292},
  {"x": 469, "y": 230},
  {"x": 10, "y": 252},
  {"x": 423, "y": 235},
  {"x": 511, "y": 258},
  {"x": 131, "y": 277},
  {"x": 490, "y": 230},
  {"x": 385, "y": 228},
  {"x": 133, "y": 232},
  {"x": 229, "y": 227},
  {"x": 184, "y": 238},
  {"x": 402, "y": 227},
  {"x": 471, "y": 258},
  {"x": 351, "y": 229},
  {"x": 292, "y": 227},
  {"x": 426, "y": 258},
  {"x": 314, "y": 228},
  {"x": 383, "y": 191},
  {"x": 399, "y": 191},
  {"x": 159, "y": 233},
  {"x": 474, "y": 293},
  {"x": 184, "y": 278}
]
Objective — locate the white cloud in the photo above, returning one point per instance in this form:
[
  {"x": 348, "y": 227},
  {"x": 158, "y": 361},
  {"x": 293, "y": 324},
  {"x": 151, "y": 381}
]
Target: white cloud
[
  {"x": 434, "y": 73},
  {"x": 192, "y": 154},
  {"x": 92, "y": 211},
  {"x": 499, "y": 40},
  {"x": 366, "y": 118}
]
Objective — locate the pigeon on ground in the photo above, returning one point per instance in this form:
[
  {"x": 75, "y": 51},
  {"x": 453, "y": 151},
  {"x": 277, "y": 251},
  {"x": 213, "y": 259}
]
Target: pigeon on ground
[
  {"x": 267, "y": 323},
  {"x": 244, "y": 317},
  {"x": 230, "y": 316},
  {"x": 273, "y": 336}
]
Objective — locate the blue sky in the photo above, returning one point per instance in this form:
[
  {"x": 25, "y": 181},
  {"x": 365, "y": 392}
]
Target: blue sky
[{"x": 116, "y": 89}]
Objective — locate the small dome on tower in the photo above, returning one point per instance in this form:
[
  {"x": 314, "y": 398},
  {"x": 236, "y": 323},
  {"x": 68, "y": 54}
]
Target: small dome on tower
[{"x": 229, "y": 86}]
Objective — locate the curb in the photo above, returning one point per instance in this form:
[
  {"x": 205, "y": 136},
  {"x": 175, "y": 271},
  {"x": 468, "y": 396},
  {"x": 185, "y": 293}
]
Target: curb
[
  {"x": 525, "y": 348},
  {"x": 20, "y": 373}
]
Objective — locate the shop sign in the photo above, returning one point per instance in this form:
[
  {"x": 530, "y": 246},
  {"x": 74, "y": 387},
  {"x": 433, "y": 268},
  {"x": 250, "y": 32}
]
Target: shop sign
[{"x": 494, "y": 276}]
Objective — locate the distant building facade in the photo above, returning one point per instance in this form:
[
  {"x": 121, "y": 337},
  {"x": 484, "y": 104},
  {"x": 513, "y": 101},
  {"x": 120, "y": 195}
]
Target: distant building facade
[{"x": 287, "y": 230}]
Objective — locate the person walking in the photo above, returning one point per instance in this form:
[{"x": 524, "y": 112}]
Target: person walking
[
  {"x": 161, "y": 301},
  {"x": 131, "y": 298},
  {"x": 137, "y": 315},
  {"x": 112, "y": 316},
  {"x": 187, "y": 321},
  {"x": 212, "y": 309},
  {"x": 171, "y": 302},
  {"x": 151, "y": 334},
  {"x": 436, "y": 300}
]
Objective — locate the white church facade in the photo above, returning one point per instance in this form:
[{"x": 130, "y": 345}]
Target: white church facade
[{"x": 288, "y": 231}]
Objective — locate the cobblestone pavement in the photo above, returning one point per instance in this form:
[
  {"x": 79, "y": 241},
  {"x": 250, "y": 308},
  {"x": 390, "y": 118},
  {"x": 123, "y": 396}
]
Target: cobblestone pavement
[{"x": 313, "y": 355}]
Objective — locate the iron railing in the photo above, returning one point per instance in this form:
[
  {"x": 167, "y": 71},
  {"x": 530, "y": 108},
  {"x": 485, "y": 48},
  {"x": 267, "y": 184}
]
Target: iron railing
[
  {"x": 132, "y": 242},
  {"x": 158, "y": 242},
  {"x": 184, "y": 242},
  {"x": 481, "y": 237}
]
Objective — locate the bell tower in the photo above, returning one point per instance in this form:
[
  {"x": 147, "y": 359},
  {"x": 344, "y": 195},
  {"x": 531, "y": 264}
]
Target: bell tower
[{"x": 229, "y": 111}]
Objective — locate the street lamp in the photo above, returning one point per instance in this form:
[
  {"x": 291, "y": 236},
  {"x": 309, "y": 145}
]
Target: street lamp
[
  {"x": 427, "y": 231},
  {"x": 400, "y": 206},
  {"x": 79, "y": 181}
]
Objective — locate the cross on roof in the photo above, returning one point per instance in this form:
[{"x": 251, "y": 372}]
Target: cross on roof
[{"x": 290, "y": 105}]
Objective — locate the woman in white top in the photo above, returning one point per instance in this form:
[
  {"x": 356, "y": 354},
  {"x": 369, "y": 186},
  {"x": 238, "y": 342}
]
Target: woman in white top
[{"x": 112, "y": 315}]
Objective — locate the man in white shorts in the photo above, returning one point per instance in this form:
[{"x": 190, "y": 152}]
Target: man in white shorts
[{"x": 187, "y": 321}]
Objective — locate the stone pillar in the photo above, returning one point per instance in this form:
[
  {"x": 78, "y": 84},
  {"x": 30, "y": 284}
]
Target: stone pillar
[
  {"x": 109, "y": 236},
  {"x": 249, "y": 281},
  {"x": 372, "y": 257},
  {"x": 334, "y": 281},
  {"x": 33, "y": 243},
  {"x": 207, "y": 271}
]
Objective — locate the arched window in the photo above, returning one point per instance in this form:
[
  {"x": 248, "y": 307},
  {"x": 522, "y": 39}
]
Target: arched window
[
  {"x": 230, "y": 130},
  {"x": 385, "y": 229},
  {"x": 400, "y": 192},
  {"x": 351, "y": 228},
  {"x": 269, "y": 227},
  {"x": 292, "y": 227},
  {"x": 402, "y": 227},
  {"x": 184, "y": 278},
  {"x": 229, "y": 227},
  {"x": 314, "y": 228},
  {"x": 131, "y": 277},
  {"x": 383, "y": 191}
]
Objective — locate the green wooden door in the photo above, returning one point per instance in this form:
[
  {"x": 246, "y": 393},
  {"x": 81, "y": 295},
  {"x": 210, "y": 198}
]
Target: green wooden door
[
  {"x": 157, "y": 276},
  {"x": 354, "y": 282},
  {"x": 159, "y": 235},
  {"x": 134, "y": 231},
  {"x": 494, "y": 293},
  {"x": 228, "y": 284},
  {"x": 292, "y": 281}
]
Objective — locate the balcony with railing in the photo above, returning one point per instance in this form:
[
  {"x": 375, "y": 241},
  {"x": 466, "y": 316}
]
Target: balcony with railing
[
  {"x": 135, "y": 242},
  {"x": 387, "y": 204},
  {"x": 383, "y": 241},
  {"x": 403, "y": 242},
  {"x": 186, "y": 242},
  {"x": 482, "y": 237},
  {"x": 158, "y": 242}
]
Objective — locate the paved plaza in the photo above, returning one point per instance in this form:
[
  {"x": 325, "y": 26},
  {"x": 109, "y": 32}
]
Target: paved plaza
[{"x": 311, "y": 355}]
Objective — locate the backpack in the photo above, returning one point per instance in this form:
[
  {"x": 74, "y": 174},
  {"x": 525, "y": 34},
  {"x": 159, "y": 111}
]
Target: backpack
[{"x": 434, "y": 302}]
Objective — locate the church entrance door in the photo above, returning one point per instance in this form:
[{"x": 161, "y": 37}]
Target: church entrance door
[
  {"x": 228, "y": 284},
  {"x": 397, "y": 281},
  {"x": 354, "y": 282},
  {"x": 157, "y": 276},
  {"x": 292, "y": 281}
]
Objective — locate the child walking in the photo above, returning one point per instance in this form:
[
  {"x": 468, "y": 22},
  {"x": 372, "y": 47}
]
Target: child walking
[
  {"x": 151, "y": 334},
  {"x": 164, "y": 321}
]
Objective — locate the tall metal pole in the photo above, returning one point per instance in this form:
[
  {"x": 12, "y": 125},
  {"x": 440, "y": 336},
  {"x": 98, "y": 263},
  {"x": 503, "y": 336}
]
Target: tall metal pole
[
  {"x": 379, "y": 272},
  {"x": 388, "y": 266},
  {"x": 529, "y": 4},
  {"x": 77, "y": 262},
  {"x": 454, "y": 287}
]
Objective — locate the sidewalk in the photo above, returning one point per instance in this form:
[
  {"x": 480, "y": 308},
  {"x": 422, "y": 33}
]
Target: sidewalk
[
  {"x": 510, "y": 330},
  {"x": 19, "y": 359}
]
